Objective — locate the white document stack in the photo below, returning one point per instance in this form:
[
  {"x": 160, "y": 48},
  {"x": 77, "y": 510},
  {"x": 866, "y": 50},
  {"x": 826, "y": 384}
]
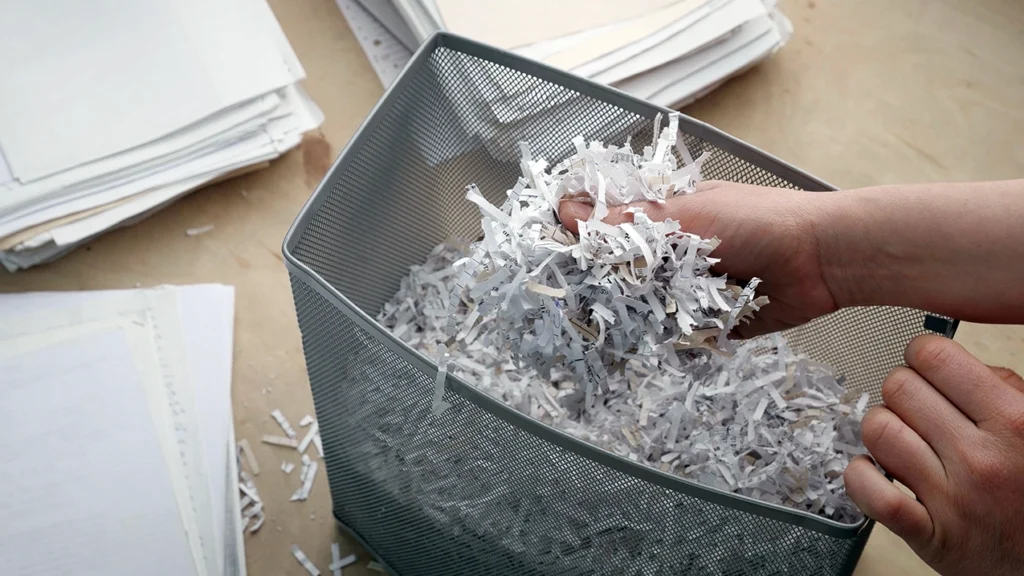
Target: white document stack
[
  {"x": 668, "y": 52},
  {"x": 118, "y": 438},
  {"x": 110, "y": 110}
]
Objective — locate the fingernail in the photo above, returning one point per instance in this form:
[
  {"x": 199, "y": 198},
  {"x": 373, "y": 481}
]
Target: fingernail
[{"x": 570, "y": 211}]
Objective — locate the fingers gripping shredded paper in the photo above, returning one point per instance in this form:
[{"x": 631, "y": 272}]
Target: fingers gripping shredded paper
[
  {"x": 557, "y": 295},
  {"x": 618, "y": 336}
]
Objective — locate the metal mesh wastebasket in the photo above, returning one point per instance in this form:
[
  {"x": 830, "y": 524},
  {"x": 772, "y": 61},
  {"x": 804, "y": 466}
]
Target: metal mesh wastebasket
[{"x": 482, "y": 489}]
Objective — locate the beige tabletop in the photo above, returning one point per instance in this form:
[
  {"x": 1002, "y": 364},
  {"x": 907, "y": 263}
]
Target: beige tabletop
[{"x": 866, "y": 92}]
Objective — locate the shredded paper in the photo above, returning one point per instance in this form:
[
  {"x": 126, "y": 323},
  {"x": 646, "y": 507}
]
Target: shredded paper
[
  {"x": 306, "y": 475},
  {"x": 338, "y": 563},
  {"x": 250, "y": 503},
  {"x": 310, "y": 568},
  {"x": 618, "y": 335}
]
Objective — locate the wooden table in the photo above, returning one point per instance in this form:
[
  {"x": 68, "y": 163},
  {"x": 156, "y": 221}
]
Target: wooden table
[{"x": 866, "y": 92}]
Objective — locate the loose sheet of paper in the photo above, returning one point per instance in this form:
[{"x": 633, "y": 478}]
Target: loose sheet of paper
[
  {"x": 206, "y": 317},
  {"x": 84, "y": 472},
  {"x": 513, "y": 24}
]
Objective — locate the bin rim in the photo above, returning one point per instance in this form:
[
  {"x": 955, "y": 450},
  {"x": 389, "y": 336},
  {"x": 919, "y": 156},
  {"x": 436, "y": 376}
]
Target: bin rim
[
  {"x": 611, "y": 95},
  {"x": 777, "y": 512}
]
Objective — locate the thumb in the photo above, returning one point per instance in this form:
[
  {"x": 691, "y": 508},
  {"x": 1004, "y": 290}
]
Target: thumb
[{"x": 569, "y": 211}]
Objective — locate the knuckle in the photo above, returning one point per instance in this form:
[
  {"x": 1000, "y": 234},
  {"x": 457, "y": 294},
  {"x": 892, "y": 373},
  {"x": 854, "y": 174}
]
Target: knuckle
[
  {"x": 896, "y": 385},
  {"x": 854, "y": 474},
  {"x": 990, "y": 470},
  {"x": 930, "y": 351},
  {"x": 892, "y": 509},
  {"x": 1015, "y": 422},
  {"x": 877, "y": 428},
  {"x": 943, "y": 544}
]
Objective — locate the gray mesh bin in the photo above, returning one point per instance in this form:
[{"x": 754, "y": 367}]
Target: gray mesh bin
[{"x": 482, "y": 489}]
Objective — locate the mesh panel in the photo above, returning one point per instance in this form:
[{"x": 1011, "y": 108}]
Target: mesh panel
[
  {"x": 395, "y": 471},
  {"x": 467, "y": 493}
]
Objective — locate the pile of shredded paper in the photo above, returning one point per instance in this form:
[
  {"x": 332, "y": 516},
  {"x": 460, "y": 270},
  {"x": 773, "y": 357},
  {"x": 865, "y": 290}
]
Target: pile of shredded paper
[{"x": 618, "y": 335}]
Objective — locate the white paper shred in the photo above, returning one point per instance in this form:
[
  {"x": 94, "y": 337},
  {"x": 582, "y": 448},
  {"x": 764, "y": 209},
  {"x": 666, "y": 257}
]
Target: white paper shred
[
  {"x": 318, "y": 443},
  {"x": 250, "y": 503},
  {"x": 306, "y": 563},
  {"x": 306, "y": 476},
  {"x": 280, "y": 441},
  {"x": 246, "y": 450},
  {"x": 253, "y": 509},
  {"x": 618, "y": 336},
  {"x": 335, "y": 556},
  {"x": 287, "y": 467},
  {"x": 337, "y": 562},
  {"x": 283, "y": 423},
  {"x": 306, "y": 421},
  {"x": 247, "y": 488},
  {"x": 439, "y": 405},
  {"x": 260, "y": 518},
  {"x": 341, "y": 563},
  {"x": 310, "y": 434},
  {"x": 198, "y": 230},
  {"x": 375, "y": 566}
]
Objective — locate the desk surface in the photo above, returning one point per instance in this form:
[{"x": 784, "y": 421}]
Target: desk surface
[{"x": 866, "y": 92}]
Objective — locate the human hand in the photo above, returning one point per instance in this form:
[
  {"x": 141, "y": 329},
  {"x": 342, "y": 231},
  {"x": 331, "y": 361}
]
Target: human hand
[
  {"x": 768, "y": 233},
  {"x": 951, "y": 430}
]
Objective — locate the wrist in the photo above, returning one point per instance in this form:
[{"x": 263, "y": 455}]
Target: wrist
[
  {"x": 947, "y": 248},
  {"x": 848, "y": 255}
]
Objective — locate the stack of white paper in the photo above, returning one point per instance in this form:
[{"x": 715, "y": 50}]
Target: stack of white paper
[
  {"x": 110, "y": 110},
  {"x": 669, "y": 52},
  {"x": 117, "y": 439}
]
